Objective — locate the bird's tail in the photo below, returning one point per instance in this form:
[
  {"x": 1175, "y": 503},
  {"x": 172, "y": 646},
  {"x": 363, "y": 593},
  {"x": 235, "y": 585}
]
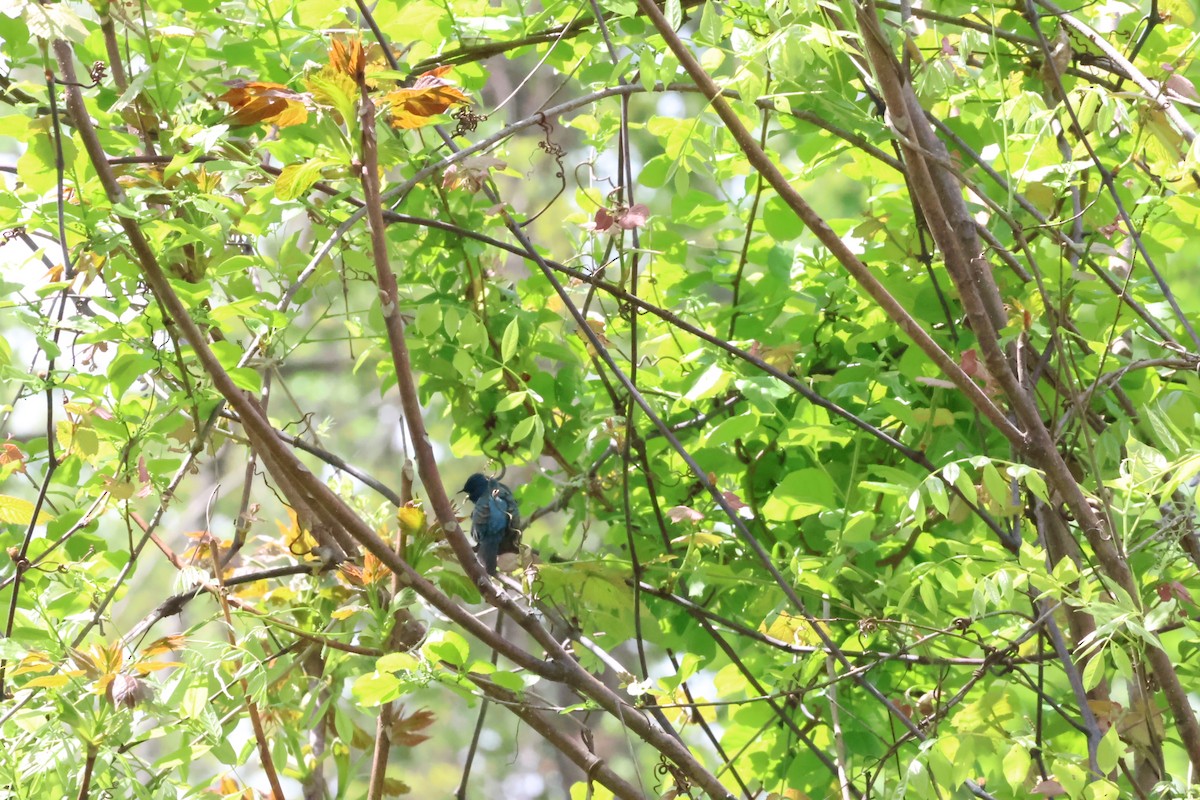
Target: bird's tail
[{"x": 489, "y": 553}]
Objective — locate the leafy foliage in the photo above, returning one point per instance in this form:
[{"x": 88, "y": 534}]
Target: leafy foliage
[{"x": 842, "y": 360}]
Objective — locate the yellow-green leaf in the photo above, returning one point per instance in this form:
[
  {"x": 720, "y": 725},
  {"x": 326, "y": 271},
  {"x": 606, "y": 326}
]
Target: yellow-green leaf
[{"x": 15, "y": 511}]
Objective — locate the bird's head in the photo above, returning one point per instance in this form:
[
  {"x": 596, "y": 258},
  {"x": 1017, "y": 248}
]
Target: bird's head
[{"x": 477, "y": 486}]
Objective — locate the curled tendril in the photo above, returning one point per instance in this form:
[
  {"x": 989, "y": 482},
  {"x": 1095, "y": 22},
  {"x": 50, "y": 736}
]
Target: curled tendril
[
  {"x": 555, "y": 151},
  {"x": 491, "y": 465},
  {"x": 10, "y": 234},
  {"x": 294, "y": 546},
  {"x": 664, "y": 768},
  {"x": 468, "y": 121}
]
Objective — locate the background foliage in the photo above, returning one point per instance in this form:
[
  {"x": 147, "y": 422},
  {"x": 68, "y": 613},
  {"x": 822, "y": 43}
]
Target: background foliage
[{"x": 842, "y": 358}]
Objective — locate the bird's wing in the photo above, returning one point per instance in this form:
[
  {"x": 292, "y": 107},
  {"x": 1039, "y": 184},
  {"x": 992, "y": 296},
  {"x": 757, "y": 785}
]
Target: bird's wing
[{"x": 497, "y": 517}]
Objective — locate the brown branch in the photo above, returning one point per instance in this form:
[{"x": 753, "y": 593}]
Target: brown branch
[
  {"x": 1037, "y": 443},
  {"x": 593, "y": 766},
  {"x": 760, "y": 161},
  {"x": 567, "y": 667},
  {"x": 266, "y": 760},
  {"x": 297, "y": 483}
]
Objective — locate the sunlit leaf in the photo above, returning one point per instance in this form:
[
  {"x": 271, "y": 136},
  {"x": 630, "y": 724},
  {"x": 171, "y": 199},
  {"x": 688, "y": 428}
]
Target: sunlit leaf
[
  {"x": 261, "y": 101},
  {"x": 430, "y": 95}
]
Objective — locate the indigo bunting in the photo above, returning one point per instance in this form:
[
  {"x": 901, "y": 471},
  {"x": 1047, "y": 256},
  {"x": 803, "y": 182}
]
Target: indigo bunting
[{"x": 495, "y": 522}]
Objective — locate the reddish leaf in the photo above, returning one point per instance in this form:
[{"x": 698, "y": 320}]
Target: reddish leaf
[
  {"x": 603, "y": 220},
  {"x": 619, "y": 219},
  {"x": 1179, "y": 86},
  {"x": 1049, "y": 788},
  {"x": 352, "y": 573},
  {"x": 973, "y": 366},
  {"x": 260, "y": 101},
  {"x": 734, "y": 501},
  {"x": 406, "y": 731},
  {"x": 128, "y": 690},
  {"x": 684, "y": 514},
  {"x": 633, "y": 217},
  {"x": 1173, "y": 589}
]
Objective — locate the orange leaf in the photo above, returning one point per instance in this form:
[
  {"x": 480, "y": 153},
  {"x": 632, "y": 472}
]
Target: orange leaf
[
  {"x": 11, "y": 454},
  {"x": 352, "y": 573},
  {"x": 374, "y": 570},
  {"x": 166, "y": 644},
  {"x": 432, "y": 94},
  {"x": 260, "y": 101},
  {"x": 346, "y": 56}
]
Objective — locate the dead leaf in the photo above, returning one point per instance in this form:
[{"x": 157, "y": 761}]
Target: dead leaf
[{"x": 1142, "y": 726}]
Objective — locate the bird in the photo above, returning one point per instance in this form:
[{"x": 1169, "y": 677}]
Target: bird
[{"x": 495, "y": 522}]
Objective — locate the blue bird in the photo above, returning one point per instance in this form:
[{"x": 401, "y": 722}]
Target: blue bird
[{"x": 495, "y": 522}]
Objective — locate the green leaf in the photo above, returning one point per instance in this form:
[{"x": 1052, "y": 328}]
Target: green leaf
[
  {"x": 447, "y": 646},
  {"x": 16, "y": 511},
  {"x": 246, "y": 379},
  {"x": 195, "y": 701},
  {"x": 800, "y": 494},
  {"x": 508, "y": 343},
  {"x": 522, "y": 430},
  {"x": 510, "y": 401},
  {"x": 673, "y": 11},
  {"x": 937, "y": 494},
  {"x": 1109, "y": 752},
  {"x": 733, "y": 428},
  {"x": 179, "y": 161},
  {"x": 1016, "y": 766},
  {"x": 377, "y": 688},
  {"x": 508, "y": 680},
  {"x": 707, "y": 383},
  {"x": 710, "y": 31},
  {"x": 296, "y": 179},
  {"x": 1093, "y": 673},
  {"x": 428, "y": 318}
]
